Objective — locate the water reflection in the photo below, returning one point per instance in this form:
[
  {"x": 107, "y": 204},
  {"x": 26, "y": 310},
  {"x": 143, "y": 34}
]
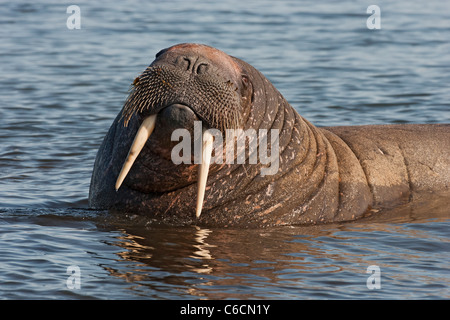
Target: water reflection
[
  {"x": 219, "y": 263},
  {"x": 201, "y": 235},
  {"x": 288, "y": 262}
]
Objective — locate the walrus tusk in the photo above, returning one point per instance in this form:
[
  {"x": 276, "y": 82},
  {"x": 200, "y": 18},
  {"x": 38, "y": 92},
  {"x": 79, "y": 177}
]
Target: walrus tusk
[
  {"x": 203, "y": 170},
  {"x": 144, "y": 132}
]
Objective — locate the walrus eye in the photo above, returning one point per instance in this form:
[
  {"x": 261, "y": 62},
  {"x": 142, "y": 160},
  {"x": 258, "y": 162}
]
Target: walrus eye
[
  {"x": 247, "y": 85},
  {"x": 245, "y": 80},
  {"x": 248, "y": 88}
]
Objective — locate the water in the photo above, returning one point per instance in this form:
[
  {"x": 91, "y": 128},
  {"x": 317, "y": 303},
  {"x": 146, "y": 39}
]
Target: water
[{"x": 60, "y": 90}]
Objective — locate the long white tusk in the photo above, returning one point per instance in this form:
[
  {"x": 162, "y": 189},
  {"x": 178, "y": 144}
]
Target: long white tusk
[
  {"x": 144, "y": 132},
  {"x": 203, "y": 170}
]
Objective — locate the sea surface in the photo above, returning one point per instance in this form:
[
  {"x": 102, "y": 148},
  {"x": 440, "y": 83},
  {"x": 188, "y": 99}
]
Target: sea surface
[{"x": 61, "y": 88}]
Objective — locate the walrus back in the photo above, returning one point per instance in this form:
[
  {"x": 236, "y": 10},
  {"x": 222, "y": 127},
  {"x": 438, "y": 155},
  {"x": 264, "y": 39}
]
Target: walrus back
[{"x": 401, "y": 162}]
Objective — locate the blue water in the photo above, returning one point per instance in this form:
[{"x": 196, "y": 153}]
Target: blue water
[{"x": 60, "y": 90}]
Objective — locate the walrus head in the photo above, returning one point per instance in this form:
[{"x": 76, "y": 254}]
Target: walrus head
[
  {"x": 189, "y": 83},
  {"x": 186, "y": 83}
]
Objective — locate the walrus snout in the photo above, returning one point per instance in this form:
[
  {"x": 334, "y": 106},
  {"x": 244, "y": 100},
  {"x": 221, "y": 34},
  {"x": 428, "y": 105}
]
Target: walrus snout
[{"x": 203, "y": 78}]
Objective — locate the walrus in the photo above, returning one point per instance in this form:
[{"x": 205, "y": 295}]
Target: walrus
[{"x": 323, "y": 175}]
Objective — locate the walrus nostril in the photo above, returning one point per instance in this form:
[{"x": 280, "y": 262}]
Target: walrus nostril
[
  {"x": 195, "y": 65},
  {"x": 202, "y": 68},
  {"x": 185, "y": 63}
]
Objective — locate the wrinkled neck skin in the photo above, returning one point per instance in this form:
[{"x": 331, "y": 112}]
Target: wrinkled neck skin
[{"x": 307, "y": 189}]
